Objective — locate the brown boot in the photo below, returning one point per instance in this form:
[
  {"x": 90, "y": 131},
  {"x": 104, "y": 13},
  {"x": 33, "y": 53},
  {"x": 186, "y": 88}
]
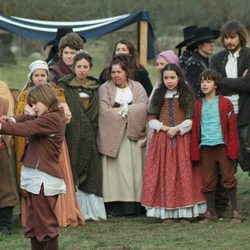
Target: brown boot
[
  {"x": 36, "y": 245},
  {"x": 209, "y": 217},
  {"x": 237, "y": 217},
  {"x": 51, "y": 244}
]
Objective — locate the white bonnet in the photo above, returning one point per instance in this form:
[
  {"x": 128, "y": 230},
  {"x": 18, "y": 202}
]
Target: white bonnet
[{"x": 38, "y": 64}]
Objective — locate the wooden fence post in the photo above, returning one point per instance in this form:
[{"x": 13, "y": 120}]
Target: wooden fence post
[{"x": 143, "y": 42}]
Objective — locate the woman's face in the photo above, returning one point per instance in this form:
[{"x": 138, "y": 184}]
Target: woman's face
[
  {"x": 68, "y": 55},
  {"x": 206, "y": 48},
  {"x": 160, "y": 63},
  {"x": 121, "y": 49},
  {"x": 119, "y": 76},
  {"x": 82, "y": 69},
  {"x": 39, "y": 76},
  {"x": 170, "y": 79}
]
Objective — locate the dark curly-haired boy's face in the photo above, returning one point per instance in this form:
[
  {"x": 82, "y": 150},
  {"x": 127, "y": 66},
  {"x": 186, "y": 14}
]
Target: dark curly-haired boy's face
[
  {"x": 68, "y": 55},
  {"x": 208, "y": 87}
]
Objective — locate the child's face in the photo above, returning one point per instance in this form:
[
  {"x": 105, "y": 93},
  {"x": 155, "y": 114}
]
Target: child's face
[
  {"x": 39, "y": 108},
  {"x": 208, "y": 87},
  {"x": 39, "y": 76},
  {"x": 170, "y": 79},
  {"x": 68, "y": 55}
]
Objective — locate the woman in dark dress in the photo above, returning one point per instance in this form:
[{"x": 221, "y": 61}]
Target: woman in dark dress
[{"x": 139, "y": 73}]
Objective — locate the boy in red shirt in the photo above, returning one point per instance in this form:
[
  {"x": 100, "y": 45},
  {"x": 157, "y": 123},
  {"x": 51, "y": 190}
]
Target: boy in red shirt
[{"x": 215, "y": 142}]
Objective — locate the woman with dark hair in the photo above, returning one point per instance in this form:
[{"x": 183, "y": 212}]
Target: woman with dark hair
[
  {"x": 81, "y": 93},
  {"x": 121, "y": 139},
  {"x": 138, "y": 72},
  {"x": 171, "y": 184}
]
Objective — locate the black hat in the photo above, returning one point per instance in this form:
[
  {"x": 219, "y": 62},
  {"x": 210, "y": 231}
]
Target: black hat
[
  {"x": 188, "y": 34},
  {"x": 61, "y": 32},
  {"x": 205, "y": 33}
]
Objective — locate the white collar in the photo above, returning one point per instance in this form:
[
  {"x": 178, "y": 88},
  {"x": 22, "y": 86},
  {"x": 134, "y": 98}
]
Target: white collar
[
  {"x": 235, "y": 54},
  {"x": 171, "y": 93}
]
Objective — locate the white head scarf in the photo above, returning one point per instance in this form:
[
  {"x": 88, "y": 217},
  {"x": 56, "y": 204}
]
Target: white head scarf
[{"x": 38, "y": 64}]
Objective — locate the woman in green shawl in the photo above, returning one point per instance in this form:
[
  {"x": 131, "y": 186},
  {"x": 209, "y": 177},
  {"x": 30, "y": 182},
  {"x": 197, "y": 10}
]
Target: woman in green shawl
[{"x": 81, "y": 93}]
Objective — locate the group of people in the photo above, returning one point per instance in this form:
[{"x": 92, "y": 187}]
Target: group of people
[{"x": 89, "y": 148}]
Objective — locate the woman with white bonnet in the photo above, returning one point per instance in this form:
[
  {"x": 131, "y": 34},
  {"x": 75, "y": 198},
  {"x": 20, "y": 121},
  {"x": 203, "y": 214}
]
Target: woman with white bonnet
[{"x": 67, "y": 210}]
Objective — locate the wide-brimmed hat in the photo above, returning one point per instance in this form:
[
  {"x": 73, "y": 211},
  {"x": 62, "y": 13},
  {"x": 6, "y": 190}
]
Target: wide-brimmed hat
[
  {"x": 205, "y": 33},
  {"x": 188, "y": 34},
  {"x": 61, "y": 32}
]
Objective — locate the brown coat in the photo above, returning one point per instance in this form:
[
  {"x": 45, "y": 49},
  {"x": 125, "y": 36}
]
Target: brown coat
[
  {"x": 59, "y": 70},
  {"x": 46, "y": 134},
  {"x": 7, "y": 188},
  {"x": 112, "y": 125}
]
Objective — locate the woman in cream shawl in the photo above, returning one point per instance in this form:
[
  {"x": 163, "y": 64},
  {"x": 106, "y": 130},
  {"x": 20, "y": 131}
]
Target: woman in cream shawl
[{"x": 121, "y": 139}]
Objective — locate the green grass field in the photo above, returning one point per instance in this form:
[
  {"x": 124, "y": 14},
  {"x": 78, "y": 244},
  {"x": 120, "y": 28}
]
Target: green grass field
[{"x": 150, "y": 233}]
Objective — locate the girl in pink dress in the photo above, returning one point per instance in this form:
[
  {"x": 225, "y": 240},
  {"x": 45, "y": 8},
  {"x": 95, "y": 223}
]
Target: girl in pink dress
[{"x": 171, "y": 185}]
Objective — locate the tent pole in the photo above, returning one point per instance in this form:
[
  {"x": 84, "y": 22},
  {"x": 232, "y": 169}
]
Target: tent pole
[{"x": 143, "y": 42}]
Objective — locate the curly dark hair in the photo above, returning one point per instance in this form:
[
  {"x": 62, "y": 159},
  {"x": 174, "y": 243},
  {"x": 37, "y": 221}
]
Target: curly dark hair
[
  {"x": 124, "y": 62},
  {"x": 72, "y": 40},
  {"x": 183, "y": 89},
  {"x": 209, "y": 74},
  {"x": 82, "y": 55}
]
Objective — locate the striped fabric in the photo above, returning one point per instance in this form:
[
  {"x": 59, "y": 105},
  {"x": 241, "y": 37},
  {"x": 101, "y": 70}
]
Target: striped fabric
[{"x": 46, "y": 30}]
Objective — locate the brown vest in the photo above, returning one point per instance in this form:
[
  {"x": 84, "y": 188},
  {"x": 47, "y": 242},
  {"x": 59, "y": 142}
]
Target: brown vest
[{"x": 171, "y": 116}]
